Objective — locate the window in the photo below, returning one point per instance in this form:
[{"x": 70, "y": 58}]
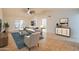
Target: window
[
  {"x": 19, "y": 24},
  {"x": 44, "y": 22}
]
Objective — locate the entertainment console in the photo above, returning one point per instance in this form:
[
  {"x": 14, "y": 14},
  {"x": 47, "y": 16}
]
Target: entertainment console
[
  {"x": 63, "y": 31},
  {"x": 62, "y": 27}
]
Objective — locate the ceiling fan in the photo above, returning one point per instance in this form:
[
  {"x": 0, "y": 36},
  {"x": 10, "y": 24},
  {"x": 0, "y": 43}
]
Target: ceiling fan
[{"x": 29, "y": 11}]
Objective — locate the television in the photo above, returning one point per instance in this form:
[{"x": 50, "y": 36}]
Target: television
[
  {"x": 32, "y": 23},
  {"x": 64, "y": 21}
]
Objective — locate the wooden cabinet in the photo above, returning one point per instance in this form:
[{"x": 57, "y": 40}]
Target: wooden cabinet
[
  {"x": 63, "y": 31},
  {"x": 3, "y": 40}
]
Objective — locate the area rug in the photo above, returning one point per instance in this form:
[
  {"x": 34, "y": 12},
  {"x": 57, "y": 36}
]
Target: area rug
[{"x": 19, "y": 40}]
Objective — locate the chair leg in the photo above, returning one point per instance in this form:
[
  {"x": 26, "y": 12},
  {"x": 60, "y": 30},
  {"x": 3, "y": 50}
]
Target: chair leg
[
  {"x": 38, "y": 44},
  {"x": 29, "y": 49}
]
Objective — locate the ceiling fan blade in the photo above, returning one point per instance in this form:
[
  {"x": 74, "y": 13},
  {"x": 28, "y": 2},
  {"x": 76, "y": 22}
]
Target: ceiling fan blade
[
  {"x": 32, "y": 12},
  {"x": 29, "y": 11}
]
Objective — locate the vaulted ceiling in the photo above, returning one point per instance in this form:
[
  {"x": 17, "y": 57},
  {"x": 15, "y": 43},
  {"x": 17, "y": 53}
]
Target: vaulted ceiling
[{"x": 37, "y": 11}]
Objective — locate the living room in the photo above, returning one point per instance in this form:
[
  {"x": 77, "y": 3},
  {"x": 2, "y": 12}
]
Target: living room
[{"x": 45, "y": 21}]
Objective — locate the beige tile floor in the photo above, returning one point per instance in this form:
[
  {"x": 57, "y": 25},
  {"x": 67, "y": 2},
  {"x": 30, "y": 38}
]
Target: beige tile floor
[{"x": 51, "y": 42}]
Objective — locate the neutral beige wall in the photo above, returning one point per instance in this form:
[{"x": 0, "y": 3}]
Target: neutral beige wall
[
  {"x": 1, "y": 13},
  {"x": 12, "y": 14}
]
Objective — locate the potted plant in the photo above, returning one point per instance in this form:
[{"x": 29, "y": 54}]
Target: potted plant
[{"x": 6, "y": 26}]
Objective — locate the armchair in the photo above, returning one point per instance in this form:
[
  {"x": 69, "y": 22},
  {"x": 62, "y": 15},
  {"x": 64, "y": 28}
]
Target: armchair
[{"x": 32, "y": 40}]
